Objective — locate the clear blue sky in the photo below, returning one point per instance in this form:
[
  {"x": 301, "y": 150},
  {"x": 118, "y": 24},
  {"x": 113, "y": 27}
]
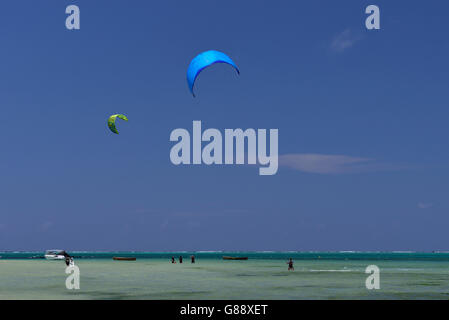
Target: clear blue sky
[{"x": 362, "y": 116}]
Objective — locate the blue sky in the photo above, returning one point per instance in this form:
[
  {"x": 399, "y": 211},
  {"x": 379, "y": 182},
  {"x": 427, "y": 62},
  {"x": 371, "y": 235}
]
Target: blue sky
[{"x": 362, "y": 118}]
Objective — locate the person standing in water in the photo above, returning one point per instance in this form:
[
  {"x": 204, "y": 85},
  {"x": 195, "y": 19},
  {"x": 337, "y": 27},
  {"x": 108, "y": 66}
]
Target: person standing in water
[
  {"x": 173, "y": 260},
  {"x": 68, "y": 258},
  {"x": 180, "y": 259},
  {"x": 192, "y": 258},
  {"x": 290, "y": 265}
]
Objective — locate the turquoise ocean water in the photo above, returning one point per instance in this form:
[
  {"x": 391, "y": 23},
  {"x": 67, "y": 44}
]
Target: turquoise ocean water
[{"x": 317, "y": 275}]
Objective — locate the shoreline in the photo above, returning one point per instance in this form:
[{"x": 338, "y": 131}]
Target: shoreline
[{"x": 252, "y": 255}]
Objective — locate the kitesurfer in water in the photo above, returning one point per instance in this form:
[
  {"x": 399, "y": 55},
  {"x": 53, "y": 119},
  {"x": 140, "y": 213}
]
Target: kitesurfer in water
[
  {"x": 290, "y": 265},
  {"x": 68, "y": 258}
]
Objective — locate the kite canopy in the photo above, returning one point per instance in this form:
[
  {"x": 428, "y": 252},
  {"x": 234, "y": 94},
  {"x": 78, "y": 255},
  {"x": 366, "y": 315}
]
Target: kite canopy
[
  {"x": 204, "y": 60},
  {"x": 111, "y": 121}
]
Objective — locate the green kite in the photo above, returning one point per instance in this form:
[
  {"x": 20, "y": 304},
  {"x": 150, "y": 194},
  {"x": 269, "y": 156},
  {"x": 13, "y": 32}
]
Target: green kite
[{"x": 111, "y": 121}]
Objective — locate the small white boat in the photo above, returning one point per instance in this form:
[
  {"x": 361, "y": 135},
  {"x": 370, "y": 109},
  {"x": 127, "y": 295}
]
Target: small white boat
[{"x": 55, "y": 254}]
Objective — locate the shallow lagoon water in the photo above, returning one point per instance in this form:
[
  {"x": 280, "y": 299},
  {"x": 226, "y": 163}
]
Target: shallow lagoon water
[{"x": 213, "y": 278}]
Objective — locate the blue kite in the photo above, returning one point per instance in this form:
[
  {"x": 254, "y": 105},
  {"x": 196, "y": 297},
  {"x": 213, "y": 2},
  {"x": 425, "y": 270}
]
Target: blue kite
[{"x": 204, "y": 60}]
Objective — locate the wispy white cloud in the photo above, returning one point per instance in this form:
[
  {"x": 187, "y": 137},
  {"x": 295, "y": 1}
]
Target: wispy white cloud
[
  {"x": 424, "y": 205},
  {"x": 328, "y": 164},
  {"x": 344, "y": 40}
]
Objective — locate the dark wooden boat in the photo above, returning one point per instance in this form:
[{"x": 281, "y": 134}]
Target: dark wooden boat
[
  {"x": 124, "y": 258},
  {"x": 235, "y": 258}
]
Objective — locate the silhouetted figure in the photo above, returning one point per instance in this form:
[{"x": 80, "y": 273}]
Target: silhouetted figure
[
  {"x": 180, "y": 259},
  {"x": 68, "y": 258},
  {"x": 173, "y": 260},
  {"x": 192, "y": 258},
  {"x": 290, "y": 265}
]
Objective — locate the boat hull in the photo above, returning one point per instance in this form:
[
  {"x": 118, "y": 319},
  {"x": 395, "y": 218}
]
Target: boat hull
[
  {"x": 54, "y": 257},
  {"x": 124, "y": 258}
]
